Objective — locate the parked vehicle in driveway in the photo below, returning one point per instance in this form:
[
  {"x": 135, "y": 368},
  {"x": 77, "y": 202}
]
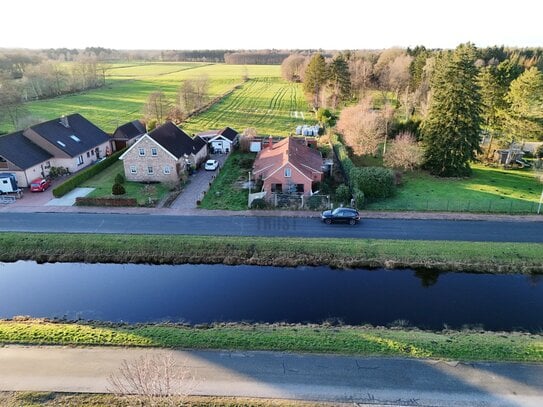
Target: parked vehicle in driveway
[
  {"x": 39, "y": 185},
  {"x": 211, "y": 165},
  {"x": 8, "y": 183},
  {"x": 341, "y": 215}
]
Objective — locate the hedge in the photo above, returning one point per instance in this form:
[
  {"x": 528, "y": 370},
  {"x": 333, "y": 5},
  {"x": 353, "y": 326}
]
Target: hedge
[
  {"x": 84, "y": 201},
  {"x": 85, "y": 174},
  {"x": 347, "y": 167},
  {"x": 374, "y": 182}
]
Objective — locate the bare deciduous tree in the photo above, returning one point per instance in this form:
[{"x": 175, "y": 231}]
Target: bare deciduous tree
[
  {"x": 152, "y": 381},
  {"x": 157, "y": 107},
  {"x": 245, "y": 140},
  {"x": 404, "y": 152},
  {"x": 193, "y": 93},
  {"x": 361, "y": 128},
  {"x": 293, "y": 67},
  {"x": 361, "y": 73}
]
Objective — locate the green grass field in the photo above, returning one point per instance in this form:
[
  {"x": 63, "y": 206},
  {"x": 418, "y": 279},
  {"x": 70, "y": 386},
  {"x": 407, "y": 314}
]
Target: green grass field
[
  {"x": 129, "y": 84},
  {"x": 270, "y": 105},
  {"x": 490, "y": 190}
]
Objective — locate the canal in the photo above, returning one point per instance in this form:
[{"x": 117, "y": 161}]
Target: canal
[{"x": 213, "y": 293}]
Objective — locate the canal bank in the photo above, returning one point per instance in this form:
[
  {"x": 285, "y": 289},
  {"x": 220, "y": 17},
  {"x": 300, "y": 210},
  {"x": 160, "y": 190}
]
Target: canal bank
[{"x": 483, "y": 257}]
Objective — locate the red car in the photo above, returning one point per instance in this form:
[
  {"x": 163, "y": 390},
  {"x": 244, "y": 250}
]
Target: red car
[{"x": 39, "y": 185}]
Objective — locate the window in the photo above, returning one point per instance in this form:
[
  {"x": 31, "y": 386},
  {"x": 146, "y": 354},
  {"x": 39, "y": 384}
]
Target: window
[
  {"x": 142, "y": 152},
  {"x": 88, "y": 154},
  {"x": 167, "y": 170},
  {"x": 133, "y": 169},
  {"x": 60, "y": 143},
  {"x": 3, "y": 163},
  {"x": 150, "y": 170},
  {"x": 277, "y": 188},
  {"x": 80, "y": 160},
  {"x": 154, "y": 151},
  {"x": 75, "y": 138},
  {"x": 92, "y": 152},
  {"x": 287, "y": 172}
]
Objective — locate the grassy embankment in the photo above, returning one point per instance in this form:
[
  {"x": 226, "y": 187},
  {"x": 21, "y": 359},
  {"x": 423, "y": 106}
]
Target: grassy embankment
[
  {"x": 52, "y": 399},
  {"x": 458, "y": 345},
  {"x": 486, "y": 257}
]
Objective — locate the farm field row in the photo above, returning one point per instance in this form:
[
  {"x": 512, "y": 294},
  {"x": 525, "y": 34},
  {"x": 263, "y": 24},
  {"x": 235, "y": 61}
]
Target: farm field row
[
  {"x": 269, "y": 104},
  {"x": 129, "y": 84}
]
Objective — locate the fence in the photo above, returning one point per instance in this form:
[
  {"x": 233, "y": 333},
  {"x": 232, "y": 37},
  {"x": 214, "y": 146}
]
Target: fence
[
  {"x": 507, "y": 206},
  {"x": 295, "y": 201}
]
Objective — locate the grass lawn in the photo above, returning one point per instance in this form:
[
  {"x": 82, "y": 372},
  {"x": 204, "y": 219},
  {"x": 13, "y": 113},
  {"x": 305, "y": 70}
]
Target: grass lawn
[
  {"x": 458, "y": 345},
  {"x": 226, "y": 192},
  {"x": 271, "y": 105},
  {"x": 104, "y": 181},
  {"x": 492, "y": 190}
]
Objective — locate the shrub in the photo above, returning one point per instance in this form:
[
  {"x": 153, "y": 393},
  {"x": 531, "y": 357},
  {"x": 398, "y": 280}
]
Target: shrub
[
  {"x": 343, "y": 194},
  {"x": 85, "y": 174},
  {"x": 539, "y": 152},
  {"x": 374, "y": 182},
  {"x": 246, "y": 162},
  {"x": 118, "y": 189},
  {"x": 119, "y": 178},
  {"x": 258, "y": 203},
  {"x": 315, "y": 202},
  {"x": 359, "y": 198}
]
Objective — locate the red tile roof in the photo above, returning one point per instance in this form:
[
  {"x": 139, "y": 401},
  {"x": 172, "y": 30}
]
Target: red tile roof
[{"x": 289, "y": 150}]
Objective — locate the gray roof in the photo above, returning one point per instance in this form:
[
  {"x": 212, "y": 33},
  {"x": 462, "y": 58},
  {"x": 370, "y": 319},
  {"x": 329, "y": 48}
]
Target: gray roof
[
  {"x": 78, "y": 137},
  {"x": 22, "y": 152},
  {"x": 175, "y": 140},
  {"x": 129, "y": 130}
]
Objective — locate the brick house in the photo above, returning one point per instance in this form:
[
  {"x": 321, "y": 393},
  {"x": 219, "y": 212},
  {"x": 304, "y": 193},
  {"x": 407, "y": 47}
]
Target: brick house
[
  {"x": 163, "y": 155},
  {"x": 289, "y": 166},
  {"x": 71, "y": 142}
]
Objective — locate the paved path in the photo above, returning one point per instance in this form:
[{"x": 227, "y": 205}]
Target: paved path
[
  {"x": 403, "y": 382},
  {"x": 70, "y": 197},
  {"x": 405, "y": 229},
  {"x": 199, "y": 183}
]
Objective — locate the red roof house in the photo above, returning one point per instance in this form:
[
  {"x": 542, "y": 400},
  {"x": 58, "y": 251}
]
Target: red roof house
[{"x": 289, "y": 166}]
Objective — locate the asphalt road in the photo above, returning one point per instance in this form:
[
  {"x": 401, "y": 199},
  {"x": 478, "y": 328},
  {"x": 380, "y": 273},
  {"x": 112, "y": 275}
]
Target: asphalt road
[
  {"x": 405, "y": 229},
  {"x": 381, "y": 381}
]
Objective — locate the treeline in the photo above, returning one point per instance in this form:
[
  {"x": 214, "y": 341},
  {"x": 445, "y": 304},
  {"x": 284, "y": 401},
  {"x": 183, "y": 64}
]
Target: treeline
[
  {"x": 264, "y": 57},
  {"x": 436, "y": 104}
]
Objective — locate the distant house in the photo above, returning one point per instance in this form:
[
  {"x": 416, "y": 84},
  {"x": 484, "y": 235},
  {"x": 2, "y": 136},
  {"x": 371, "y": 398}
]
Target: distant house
[
  {"x": 71, "y": 141},
  {"x": 127, "y": 134},
  {"x": 289, "y": 166},
  {"x": 220, "y": 141},
  {"x": 163, "y": 155}
]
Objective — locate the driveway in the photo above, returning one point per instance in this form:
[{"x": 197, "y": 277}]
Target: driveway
[{"x": 198, "y": 185}]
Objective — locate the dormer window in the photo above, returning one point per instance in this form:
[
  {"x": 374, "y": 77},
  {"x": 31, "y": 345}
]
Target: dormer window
[{"x": 288, "y": 172}]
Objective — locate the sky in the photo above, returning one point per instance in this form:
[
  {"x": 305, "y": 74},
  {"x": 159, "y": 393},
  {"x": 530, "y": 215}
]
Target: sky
[{"x": 279, "y": 24}]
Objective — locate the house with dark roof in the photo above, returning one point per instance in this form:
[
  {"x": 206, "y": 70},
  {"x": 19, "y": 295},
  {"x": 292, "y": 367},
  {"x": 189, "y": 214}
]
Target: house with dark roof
[
  {"x": 127, "y": 134},
  {"x": 221, "y": 141},
  {"x": 288, "y": 167},
  {"x": 71, "y": 142},
  {"x": 163, "y": 155},
  {"x": 20, "y": 156}
]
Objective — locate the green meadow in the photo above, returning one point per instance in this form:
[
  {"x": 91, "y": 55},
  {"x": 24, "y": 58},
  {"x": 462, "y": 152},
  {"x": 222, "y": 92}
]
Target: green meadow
[{"x": 261, "y": 102}]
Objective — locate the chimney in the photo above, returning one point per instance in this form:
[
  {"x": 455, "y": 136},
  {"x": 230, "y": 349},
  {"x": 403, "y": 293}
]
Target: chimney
[{"x": 64, "y": 121}]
